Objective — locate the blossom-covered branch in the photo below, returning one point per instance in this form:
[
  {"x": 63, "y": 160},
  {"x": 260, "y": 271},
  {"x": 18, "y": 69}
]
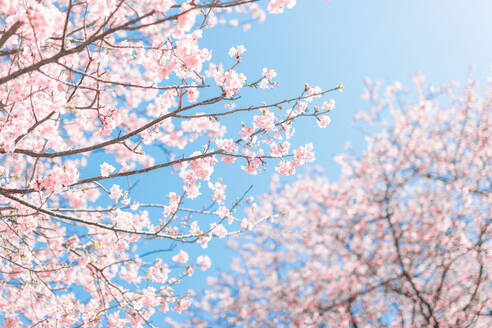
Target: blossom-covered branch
[{"x": 93, "y": 95}]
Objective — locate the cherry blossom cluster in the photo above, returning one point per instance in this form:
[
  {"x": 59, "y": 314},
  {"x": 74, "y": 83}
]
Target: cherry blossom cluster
[
  {"x": 96, "y": 93},
  {"x": 403, "y": 238}
]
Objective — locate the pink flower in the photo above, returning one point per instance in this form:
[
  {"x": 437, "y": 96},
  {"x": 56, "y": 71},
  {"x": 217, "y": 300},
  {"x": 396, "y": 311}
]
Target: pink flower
[
  {"x": 222, "y": 212},
  {"x": 159, "y": 272},
  {"x": 264, "y": 84},
  {"x": 173, "y": 198},
  {"x": 323, "y": 121},
  {"x": 204, "y": 262},
  {"x": 286, "y": 168},
  {"x": 182, "y": 304},
  {"x": 219, "y": 191},
  {"x": 236, "y": 52},
  {"x": 232, "y": 82},
  {"x": 269, "y": 73},
  {"x": 230, "y": 105},
  {"x": 315, "y": 92},
  {"x": 58, "y": 178},
  {"x": 304, "y": 154},
  {"x": 328, "y": 106},
  {"x": 192, "y": 94},
  {"x": 11, "y": 323},
  {"x": 252, "y": 167},
  {"x": 279, "y": 150},
  {"x": 277, "y": 6},
  {"x": 203, "y": 240},
  {"x": 218, "y": 229},
  {"x": 246, "y": 133},
  {"x": 194, "y": 228},
  {"x": 173, "y": 204},
  {"x": 265, "y": 121},
  {"x": 227, "y": 145},
  {"x": 181, "y": 257},
  {"x": 110, "y": 118},
  {"x": 115, "y": 192},
  {"x": 246, "y": 224},
  {"x": 114, "y": 320},
  {"x": 227, "y": 159},
  {"x": 106, "y": 169}
]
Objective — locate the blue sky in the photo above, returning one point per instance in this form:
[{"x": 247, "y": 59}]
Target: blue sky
[{"x": 343, "y": 42}]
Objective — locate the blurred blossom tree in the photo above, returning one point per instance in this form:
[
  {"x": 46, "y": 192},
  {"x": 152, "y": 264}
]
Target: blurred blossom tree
[
  {"x": 121, "y": 78},
  {"x": 401, "y": 239}
]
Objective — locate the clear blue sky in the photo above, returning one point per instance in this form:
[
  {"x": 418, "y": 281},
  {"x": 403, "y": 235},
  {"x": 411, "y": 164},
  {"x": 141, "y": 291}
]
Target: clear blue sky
[{"x": 345, "y": 41}]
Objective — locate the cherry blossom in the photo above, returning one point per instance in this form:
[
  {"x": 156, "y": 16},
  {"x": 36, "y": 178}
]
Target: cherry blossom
[
  {"x": 106, "y": 169},
  {"x": 269, "y": 73},
  {"x": 181, "y": 257},
  {"x": 323, "y": 121},
  {"x": 115, "y": 192},
  {"x": 265, "y": 121},
  {"x": 204, "y": 262}
]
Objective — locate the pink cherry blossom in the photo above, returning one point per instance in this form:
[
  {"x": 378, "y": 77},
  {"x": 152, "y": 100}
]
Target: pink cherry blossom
[
  {"x": 106, "y": 169},
  {"x": 232, "y": 82},
  {"x": 252, "y": 167},
  {"x": 204, "y": 262},
  {"x": 269, "y": 73},
  {"x": 110, "y": 118},
  {"x": 192, "y": 94},
  {"x": 228, "y": 145},
  {"x": 264, "y": 84},
  {"x": 246, "y": 133},
  {"x": 218, "y": 229},
  {"x": 304, "y": 154},
  {"x": 328, "y": 106},
  {"x": 219, "y": 194},
  {"x": 280, "y": 149},
  {"x": 323, "y": 121},
  {"x": 237, "y": 51},
  {"x": 181, "y": 257},
  {"x": 265, "y": 121},
  {"x": 286, "y": 167},
  {"x": 277, "y": 6},
  {"x": 182, "y": 304},
  {"x": 115, "y": 192},
  {"x": 222, "y": 212}
]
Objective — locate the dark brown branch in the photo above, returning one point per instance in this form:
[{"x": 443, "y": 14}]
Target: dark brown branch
[{"x": 11, "y": 31}]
